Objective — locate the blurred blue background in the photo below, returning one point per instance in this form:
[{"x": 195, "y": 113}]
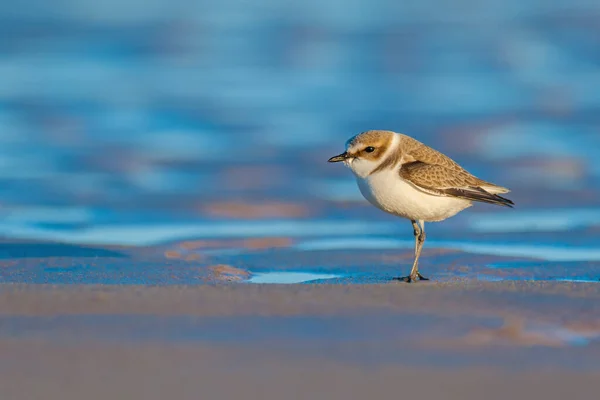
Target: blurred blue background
[{"x": 171, "y": 114}]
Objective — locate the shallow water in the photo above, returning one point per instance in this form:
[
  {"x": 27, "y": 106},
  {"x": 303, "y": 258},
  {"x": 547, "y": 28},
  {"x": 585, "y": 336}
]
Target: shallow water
[
  {"x": 289, "y": 277},
  {"x": 202, "y": 122}
]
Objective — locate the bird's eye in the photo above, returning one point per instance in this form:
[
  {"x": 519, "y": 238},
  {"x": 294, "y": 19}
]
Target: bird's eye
[{"x": 370, "y": 149}]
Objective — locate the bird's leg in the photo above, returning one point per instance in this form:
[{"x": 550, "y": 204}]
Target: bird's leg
[
  {"x": 416, "y": 232},
  {"x": 419, "y": 232},
  {"x": 414, "y": 273}
]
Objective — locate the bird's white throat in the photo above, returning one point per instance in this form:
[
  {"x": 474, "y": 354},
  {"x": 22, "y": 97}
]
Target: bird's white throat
[{"x": 361, "y": 168}]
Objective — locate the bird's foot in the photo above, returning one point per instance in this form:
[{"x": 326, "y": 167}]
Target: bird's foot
[{"x": 412, "y": 278}]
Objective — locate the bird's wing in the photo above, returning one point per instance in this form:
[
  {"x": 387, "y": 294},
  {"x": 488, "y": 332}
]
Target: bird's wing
[{"x": 440, "y": 180}]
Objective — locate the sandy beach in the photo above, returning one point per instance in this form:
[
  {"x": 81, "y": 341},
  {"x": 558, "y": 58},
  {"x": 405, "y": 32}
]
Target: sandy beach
[{"x": 450, "y": 340}]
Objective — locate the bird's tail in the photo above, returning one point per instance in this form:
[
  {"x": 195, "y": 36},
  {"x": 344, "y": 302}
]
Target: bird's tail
[{"x": 493, "y": 189}]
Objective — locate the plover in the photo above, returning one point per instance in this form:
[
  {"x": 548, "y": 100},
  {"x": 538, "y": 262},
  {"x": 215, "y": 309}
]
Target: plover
[{"x": 406, "y": 178}]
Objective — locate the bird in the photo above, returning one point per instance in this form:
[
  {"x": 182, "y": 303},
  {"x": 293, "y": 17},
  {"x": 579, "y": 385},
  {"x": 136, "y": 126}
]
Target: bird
[{"x": 406, "y": 178}]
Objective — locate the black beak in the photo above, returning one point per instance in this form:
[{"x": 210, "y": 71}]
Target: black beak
[{"x": 338, "y": 158}]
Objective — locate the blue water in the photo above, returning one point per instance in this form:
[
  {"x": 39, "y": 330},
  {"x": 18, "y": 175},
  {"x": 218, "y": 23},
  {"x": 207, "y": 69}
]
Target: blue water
[{"x": 136, "y": 126}]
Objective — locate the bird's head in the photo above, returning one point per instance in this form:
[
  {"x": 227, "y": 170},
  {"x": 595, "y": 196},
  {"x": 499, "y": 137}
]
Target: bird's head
[{"x": 365, "y": 151}]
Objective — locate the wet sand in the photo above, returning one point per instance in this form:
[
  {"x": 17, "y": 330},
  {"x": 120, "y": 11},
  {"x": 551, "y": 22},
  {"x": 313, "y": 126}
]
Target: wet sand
[
  {"x": 461, "y": 340},
  {"x": 97, "y": 372}
]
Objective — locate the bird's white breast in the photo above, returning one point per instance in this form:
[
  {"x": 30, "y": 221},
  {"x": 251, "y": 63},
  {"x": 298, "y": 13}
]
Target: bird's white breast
[{"x": 389, "y": 192}]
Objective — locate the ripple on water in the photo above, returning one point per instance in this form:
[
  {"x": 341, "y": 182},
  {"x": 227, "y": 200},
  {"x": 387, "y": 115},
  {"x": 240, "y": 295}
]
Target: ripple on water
[
  {"x": 541, "y": 252},
  {"x": 549, "y": 220},
  {"x": 578, "y": 280},
  {"x": 39, "y": 214},
  {"x": 151, "y": 234}
]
